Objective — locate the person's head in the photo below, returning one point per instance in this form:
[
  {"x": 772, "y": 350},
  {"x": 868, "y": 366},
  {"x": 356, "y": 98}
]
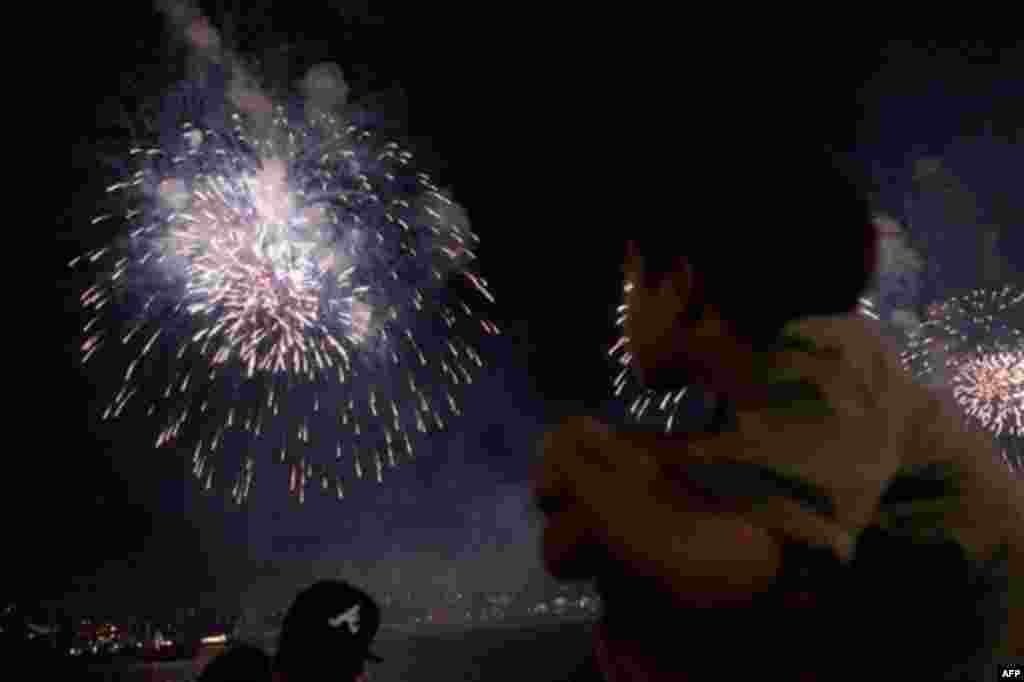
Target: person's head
[
  {"x": 326, "y": 634},
  {"x": 787, "y": 243},
  {"x": 240, "y": 663}
]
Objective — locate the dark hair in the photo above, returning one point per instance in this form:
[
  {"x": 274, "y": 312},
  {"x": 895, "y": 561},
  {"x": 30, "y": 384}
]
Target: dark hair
[
  {"x": 240, "y": 663},
  {"x": 781, "y": 243}
]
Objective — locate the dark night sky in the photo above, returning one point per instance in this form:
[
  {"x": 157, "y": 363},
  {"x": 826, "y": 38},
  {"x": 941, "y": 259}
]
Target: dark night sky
[{"x": 551, "y": 131}]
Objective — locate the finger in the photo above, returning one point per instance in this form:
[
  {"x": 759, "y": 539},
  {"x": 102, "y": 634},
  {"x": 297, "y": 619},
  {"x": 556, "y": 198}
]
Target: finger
[{"x": 793, "y": 520}]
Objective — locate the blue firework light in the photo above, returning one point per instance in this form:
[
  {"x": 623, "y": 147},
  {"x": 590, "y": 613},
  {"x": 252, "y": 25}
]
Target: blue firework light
[
  {"x": 295, "y": 291},
  {"x": 974, "y": 344}
]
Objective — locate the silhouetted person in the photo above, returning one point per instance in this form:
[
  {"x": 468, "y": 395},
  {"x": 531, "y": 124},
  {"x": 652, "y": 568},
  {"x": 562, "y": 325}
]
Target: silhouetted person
[
  {"x": 326, "y": 635},
  {"x": 240, "y": 663},
  {"x": 838, "y": 520}
]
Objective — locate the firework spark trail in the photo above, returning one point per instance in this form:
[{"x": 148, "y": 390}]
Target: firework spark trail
[
  {"x": 866, "y": 308},
  {"x": 270, "y": 283},
  {"x": 642, "y": 401},
  {"x": 975, "y": 345}
]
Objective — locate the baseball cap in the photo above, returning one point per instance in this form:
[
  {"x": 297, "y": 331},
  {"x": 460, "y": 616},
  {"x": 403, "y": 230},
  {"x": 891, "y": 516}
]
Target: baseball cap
[{"x": 330, "y": 620}]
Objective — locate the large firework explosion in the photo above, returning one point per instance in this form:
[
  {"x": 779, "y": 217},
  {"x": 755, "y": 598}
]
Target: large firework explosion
[
  {"x": 660, "y": 406},
  {"x": 975, "y": 345},
  {"x": 292, "y": 291}
]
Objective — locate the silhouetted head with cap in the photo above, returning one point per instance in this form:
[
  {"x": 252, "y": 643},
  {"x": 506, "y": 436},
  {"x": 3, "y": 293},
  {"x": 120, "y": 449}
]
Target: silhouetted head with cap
[{"x": 326, "y": 634}]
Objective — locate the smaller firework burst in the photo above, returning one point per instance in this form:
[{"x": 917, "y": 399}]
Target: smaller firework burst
[
  {"x": 975, "y": 345},
  {"x": 990, "y": 388}
]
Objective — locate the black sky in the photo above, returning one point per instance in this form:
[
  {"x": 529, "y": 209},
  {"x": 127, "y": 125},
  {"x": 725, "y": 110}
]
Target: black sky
[{"x": 554, "y": 130}]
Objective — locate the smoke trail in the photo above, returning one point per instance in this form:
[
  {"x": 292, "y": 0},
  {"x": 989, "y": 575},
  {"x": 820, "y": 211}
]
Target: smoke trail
[
  {"x": 324, "y": 87},
  {"x": 899, "y": 271},
  {"x": 205, "y": 43}
]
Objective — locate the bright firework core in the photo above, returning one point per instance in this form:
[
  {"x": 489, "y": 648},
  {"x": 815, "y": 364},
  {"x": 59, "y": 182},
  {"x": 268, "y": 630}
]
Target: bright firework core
[
  {"x": 311, "y": 263},
  {"x": 262, "y": 263},
  {"x": 991, "y": 389},
  {"x": 975, "y": 345}
]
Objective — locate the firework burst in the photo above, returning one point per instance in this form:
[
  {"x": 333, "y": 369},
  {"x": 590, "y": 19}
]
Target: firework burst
[
  {"x": 294, "y": 287},
  {"x": 975, "y": 345},
  {"x": 990, "y": 387}
]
